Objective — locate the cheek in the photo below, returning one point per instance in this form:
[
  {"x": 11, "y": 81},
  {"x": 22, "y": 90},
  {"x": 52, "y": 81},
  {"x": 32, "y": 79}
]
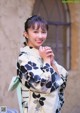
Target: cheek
[{"x": 45, "y": 36}]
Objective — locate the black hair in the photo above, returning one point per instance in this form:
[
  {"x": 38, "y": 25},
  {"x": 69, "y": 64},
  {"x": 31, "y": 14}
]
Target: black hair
[{"x": 30, "y": 22}]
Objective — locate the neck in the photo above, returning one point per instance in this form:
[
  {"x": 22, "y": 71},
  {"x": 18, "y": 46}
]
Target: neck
[{"x": 32, "y": 46}]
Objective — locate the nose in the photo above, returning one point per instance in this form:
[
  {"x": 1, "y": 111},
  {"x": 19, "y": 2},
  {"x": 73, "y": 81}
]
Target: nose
[{"x": 40, "y": 35}]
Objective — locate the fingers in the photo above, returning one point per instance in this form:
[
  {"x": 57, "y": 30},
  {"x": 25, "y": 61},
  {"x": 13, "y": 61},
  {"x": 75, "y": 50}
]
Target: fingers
[
  {"x": 50, "y": 55},
  {"x": 41, "y": 48},
  {"x": 49, "y": 50},
  {"x": 47, "y": 54},
  {"x": 46, "y": 50},
  {"x": 42, "y": 51}
]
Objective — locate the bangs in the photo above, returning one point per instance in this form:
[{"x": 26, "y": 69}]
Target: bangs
[
  {"x": 36, "y": 22},
  {"x": 38, "y": 25}
]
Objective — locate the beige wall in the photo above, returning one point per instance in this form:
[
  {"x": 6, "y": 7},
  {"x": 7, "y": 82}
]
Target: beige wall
[
  {"x": 75, "y": 34},
  {"x": 13, "y": 13},
  {"x": 72, "y": 93}
]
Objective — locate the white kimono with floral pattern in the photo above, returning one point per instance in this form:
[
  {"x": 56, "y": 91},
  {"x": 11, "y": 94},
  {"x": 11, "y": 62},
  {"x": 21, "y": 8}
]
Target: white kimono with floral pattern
[{"x": 42, "y": 87}]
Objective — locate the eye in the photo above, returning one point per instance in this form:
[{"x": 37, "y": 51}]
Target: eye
[
  {"x": 44, "y": 31},
  {"x": 36, "y": 31}
]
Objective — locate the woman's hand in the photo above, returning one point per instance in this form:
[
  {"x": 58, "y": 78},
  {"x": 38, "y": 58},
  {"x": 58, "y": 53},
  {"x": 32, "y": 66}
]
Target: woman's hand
[
  {"x": 44, "y": 55},
  {"x": 47, "y": 54},
  {"x": 50, "y": 54}
]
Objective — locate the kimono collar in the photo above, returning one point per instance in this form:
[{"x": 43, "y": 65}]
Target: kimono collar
[{"x": 30, "y": 50}]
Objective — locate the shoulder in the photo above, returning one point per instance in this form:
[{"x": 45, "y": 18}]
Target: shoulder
[
  {"x": 24, "y": 51},
  {"x": 23, "y": 55}
]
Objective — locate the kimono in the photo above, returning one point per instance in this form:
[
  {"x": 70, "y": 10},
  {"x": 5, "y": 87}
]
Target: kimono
[{"x": 42, "y": 89}]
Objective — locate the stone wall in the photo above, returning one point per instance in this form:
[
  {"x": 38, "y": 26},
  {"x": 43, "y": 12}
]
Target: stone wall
[
  {"x": 75, "y": 34},
  {"x": 13, "y": 14},
  {"x": 72, "y": 93}
]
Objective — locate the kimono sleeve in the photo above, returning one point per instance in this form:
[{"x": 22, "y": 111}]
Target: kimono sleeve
[
  {"x": 64, "y": 74},
  {"x": 39, "y": 78},
  {"x": 62, "y": 71}
]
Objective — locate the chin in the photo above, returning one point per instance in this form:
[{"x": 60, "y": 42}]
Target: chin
[{"x": 37, "y": 46}]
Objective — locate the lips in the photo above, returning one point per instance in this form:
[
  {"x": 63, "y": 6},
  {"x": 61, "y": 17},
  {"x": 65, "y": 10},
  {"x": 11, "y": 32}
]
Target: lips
[{"x": 39, "y": 41}]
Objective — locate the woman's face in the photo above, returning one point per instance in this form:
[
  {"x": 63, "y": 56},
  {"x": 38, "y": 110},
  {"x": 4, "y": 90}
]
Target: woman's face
[{"x": 36, "y": 36}]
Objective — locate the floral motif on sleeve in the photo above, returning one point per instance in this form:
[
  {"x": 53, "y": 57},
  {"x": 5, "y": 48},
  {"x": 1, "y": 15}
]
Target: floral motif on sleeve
[
  {"x": 40, "y": 78},
  {"x": 64, "y": 75},
  {"x": 61, "y": 93}
]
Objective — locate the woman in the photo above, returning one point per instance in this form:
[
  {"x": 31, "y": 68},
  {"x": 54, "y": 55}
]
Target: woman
[{"x": 42, "y": 79}]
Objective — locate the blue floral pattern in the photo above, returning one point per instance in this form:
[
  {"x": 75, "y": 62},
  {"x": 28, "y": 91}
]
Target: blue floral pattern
[
  {"x": 39, "y": 101},
  {"x": 42, "y": 79}
]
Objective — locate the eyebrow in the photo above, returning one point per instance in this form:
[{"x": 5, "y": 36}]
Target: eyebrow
[{"x": 39, "y": 25}]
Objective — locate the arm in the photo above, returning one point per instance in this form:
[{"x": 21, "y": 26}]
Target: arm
[
  {"x": 64, "y": 74},
  {"x": 58, "y": 68},
  {"x": 43, "y": 79}
]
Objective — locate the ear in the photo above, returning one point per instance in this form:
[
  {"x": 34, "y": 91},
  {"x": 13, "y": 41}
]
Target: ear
[{"x": 25, "y": 34}]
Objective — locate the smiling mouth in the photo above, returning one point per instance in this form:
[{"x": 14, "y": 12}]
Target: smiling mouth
[{"x": 39, "y": 41}]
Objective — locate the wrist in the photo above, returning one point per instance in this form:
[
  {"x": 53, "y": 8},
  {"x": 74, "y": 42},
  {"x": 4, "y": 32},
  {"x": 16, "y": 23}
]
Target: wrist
[
  {"x": 52, "y": 64},
  {"x": 55, "y": 68},
  {"x": 47, "y": 61}
]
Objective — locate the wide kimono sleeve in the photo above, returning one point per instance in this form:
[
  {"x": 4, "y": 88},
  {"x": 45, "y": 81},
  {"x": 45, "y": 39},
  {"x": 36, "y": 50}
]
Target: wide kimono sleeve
[
  {"x": 64, "y": 74},
  {"x": 37, "y": 78}
]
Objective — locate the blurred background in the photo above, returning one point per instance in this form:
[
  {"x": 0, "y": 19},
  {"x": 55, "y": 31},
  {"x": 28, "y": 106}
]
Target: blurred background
[{"x": 63, "y": 37}]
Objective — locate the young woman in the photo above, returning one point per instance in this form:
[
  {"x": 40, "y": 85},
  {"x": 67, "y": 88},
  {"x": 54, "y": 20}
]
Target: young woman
[{"x": 42, "y": 79}]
